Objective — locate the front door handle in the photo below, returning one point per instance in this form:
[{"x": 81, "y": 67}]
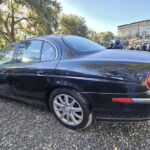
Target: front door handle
[{"x": 3, "y": 72}]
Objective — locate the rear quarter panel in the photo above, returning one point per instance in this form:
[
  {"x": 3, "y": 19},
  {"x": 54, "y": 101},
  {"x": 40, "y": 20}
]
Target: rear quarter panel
[
  {"x": 104, "y": 76},
  {"x": 100, "y": 81}
]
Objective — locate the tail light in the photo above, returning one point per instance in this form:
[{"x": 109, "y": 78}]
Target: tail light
[
  {"x": 122, "y": 100},
  {"x": 148, "y": 81}
]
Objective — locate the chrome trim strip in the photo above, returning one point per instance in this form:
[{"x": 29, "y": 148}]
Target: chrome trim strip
[
  {"x": 54, "y": 48},
  {"x": 141, "y": 100},
  {"x": 122, "y": 119},
  {"x": 44, "y": 40}
]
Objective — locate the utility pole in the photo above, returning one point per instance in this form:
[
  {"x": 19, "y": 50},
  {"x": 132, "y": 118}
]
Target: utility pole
[{"x": 144, "y": 33}]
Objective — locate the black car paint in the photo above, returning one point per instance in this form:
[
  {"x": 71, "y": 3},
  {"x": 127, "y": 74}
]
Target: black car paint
[{"x": 99, "y": 77}]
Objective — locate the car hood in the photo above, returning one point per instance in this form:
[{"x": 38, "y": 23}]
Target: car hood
[{"x": 120, "y": 55}]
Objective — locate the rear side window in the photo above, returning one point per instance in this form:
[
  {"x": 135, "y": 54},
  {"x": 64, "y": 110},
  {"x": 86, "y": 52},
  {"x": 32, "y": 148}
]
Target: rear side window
[
  {"x": 48, "y": 52},
  {"x": 29, "y": 51}
]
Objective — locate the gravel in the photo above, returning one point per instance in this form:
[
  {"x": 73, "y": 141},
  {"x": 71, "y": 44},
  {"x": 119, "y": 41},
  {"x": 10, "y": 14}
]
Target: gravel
[{"x": 24, "y": 127}]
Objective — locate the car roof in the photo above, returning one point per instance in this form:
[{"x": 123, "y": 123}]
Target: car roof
[
  {"x": 52, "y": 36},
  {"x": 46, "y": 37}
]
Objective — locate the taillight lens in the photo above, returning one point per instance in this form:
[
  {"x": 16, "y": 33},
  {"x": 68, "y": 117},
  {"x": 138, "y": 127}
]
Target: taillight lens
[
  {"x": 122, "y": 100},
  {"x": 148, "y": 81}
]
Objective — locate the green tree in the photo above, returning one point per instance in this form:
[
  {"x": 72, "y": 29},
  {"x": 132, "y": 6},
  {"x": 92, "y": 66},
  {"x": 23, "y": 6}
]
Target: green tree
[
  {"x": 48, "y": 13},
  {"x": 20, "y": 19},
  {"x": 2, "y": 43},
  {"x": 103, "y": 38},
  {"x": 72, "y": 24},
  {"x": 106, "y": 38},
  {"x": 94, "y": 36}
]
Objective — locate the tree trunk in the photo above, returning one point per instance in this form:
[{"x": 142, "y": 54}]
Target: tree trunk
[{"x": 12, "y": 25}]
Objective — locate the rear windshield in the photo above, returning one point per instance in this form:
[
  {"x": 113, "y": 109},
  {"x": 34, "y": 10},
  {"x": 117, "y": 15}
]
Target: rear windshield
[{"x": 82, "y": 44}]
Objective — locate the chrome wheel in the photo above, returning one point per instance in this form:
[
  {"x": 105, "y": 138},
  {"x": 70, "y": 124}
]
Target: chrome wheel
[{"x": 68, "y": 110}]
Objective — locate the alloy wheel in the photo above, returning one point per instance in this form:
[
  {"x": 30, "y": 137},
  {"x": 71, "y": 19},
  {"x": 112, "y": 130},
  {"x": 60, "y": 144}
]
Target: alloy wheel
[{"x": 67, "y": 109}]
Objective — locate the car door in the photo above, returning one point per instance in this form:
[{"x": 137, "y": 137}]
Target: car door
[
  {"x": 30, "y": 76},
  {"x": 6, "y": 62}
]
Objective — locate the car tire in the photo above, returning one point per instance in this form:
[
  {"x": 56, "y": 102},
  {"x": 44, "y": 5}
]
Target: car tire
[{"x": 70, "y": 108}]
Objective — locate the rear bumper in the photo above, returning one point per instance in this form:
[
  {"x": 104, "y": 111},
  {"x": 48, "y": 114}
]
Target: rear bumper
[
  {"x": 105, "y": 109},
  {"x": 130, "y": 116}
]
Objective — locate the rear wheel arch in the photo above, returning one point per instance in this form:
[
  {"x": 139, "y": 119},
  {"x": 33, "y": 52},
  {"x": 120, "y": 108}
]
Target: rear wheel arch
[
  {"x": 87, "y": 113},
  {"x": 51, "y": 90}
]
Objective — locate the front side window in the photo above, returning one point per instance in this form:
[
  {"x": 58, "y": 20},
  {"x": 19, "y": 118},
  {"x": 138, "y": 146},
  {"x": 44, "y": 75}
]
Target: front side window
[
  {"x": 48, "y": 52},
  {"x": 82, "y": 44},
  {"x": 29, "y": 51},
  {"x": 6, "y": 54}
]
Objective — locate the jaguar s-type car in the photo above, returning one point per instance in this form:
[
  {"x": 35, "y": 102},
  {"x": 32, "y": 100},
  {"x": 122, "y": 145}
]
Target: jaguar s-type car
[{"x": 78, "y": 79}]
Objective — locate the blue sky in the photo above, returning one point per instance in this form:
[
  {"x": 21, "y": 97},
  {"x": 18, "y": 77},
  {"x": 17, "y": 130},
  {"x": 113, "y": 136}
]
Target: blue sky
[{"x": 106, "y": 15}]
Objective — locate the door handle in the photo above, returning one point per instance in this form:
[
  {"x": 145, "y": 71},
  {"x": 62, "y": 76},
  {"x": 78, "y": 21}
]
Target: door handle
[
  {"x": 3, "y": 72},
  {"x": 40, "y": 73}
]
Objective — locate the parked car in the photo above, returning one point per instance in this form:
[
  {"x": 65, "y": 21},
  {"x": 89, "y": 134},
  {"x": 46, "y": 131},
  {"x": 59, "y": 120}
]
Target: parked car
[{"x": 78, "y": 79}]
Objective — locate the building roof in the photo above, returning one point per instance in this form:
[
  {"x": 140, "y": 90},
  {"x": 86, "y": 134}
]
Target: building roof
[{"x": 134, "y": 23}]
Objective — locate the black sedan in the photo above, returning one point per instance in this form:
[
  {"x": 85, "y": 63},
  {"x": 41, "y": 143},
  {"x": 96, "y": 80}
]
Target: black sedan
[{"x": 77, "y": 79}]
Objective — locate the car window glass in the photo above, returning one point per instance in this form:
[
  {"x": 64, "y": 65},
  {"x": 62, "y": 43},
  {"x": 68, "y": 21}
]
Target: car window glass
[
  {"x": 82, "y": 44},
  {"x": 6, "y": 54},
  {"x": 48, "y": 52},
  {"x": 29, "y": 51}
]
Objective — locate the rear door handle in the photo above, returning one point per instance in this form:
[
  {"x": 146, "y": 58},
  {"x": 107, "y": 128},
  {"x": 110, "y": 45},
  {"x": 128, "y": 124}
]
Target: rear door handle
[{"x": 40, "y": 73}]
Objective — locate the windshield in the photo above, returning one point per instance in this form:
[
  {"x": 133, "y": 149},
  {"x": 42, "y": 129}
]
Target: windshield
[{"x": 82, "y": 44}]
